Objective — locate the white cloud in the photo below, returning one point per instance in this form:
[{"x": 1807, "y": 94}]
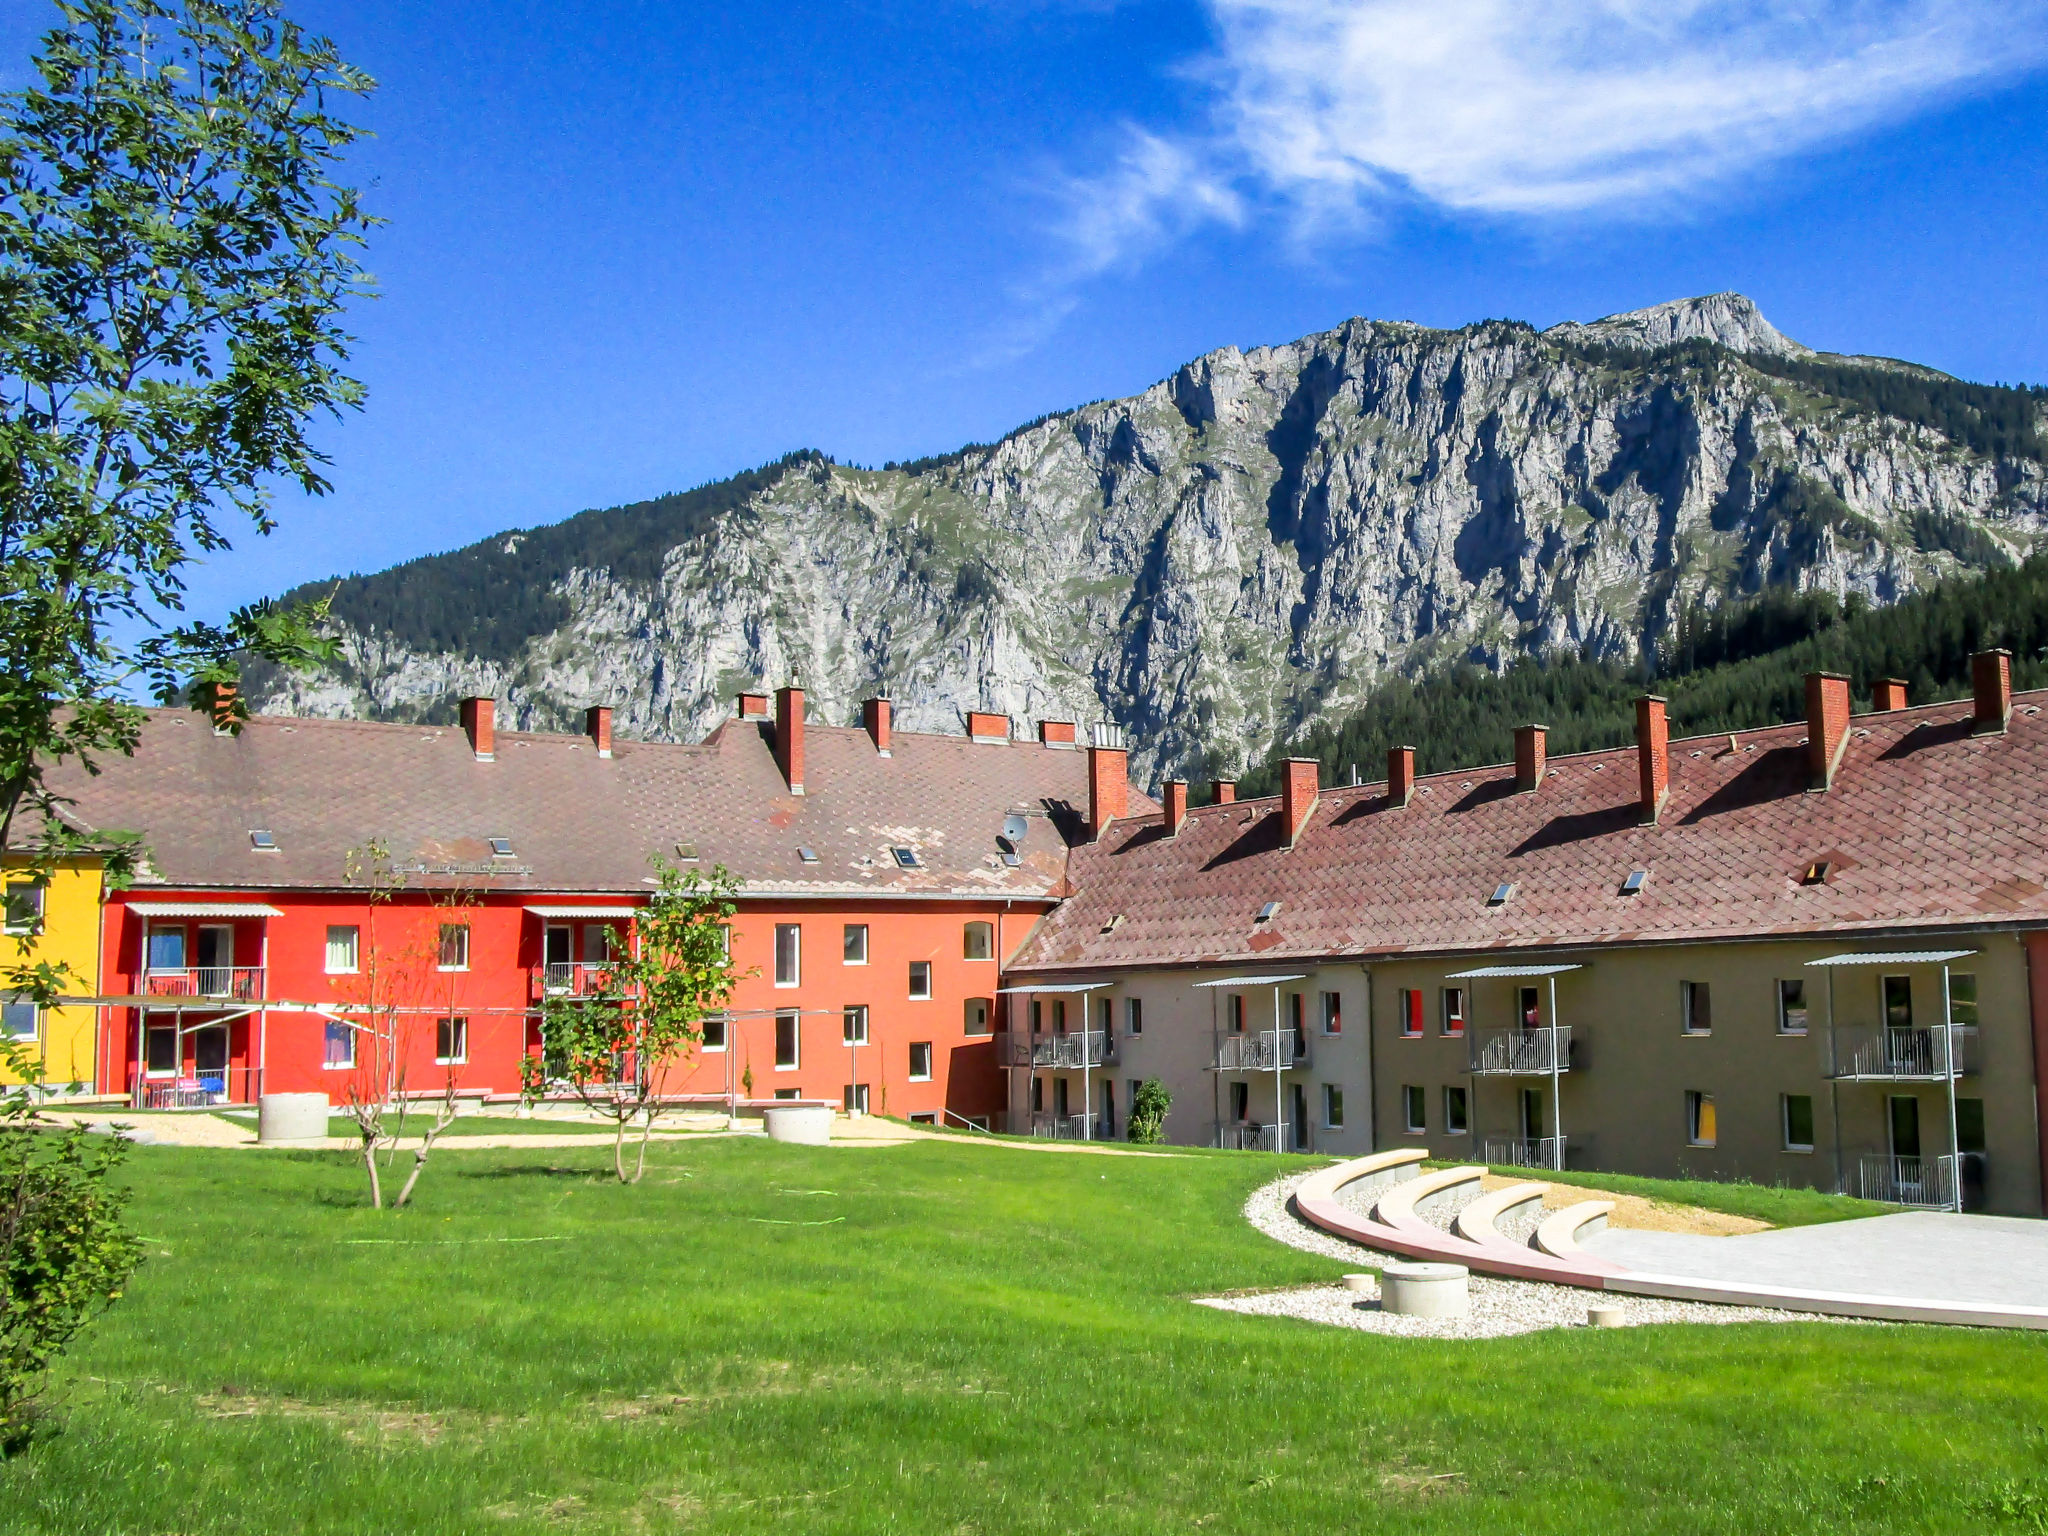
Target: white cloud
[{"x": 1529, "y": 108}]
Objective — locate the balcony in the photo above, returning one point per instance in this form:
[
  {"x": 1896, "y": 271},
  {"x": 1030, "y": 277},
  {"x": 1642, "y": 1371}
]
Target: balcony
[
  {"x": 1927, "y": 1183},
  {"x": 1520, "y": 1052},
  {"x": 1886, "y": 1055},
  {"x": 575, "y": 978},
  {"x": 1539, "y": 1152},
  {"x": 229, "y": 983},
  {"x": 1247, "y": 1136},
  {"x": 1065, "y": 1127},
  {"x": 1267, "y": 1051},
  {"x": 1090, "y": 1048}
]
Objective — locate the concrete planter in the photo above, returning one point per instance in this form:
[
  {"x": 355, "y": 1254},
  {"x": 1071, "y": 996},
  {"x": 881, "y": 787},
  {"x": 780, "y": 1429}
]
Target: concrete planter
[
  {"x": 1424, "y": 1290},
  {"x": 806, "y": 1125},
  {"x": 291, "y": 1119}
]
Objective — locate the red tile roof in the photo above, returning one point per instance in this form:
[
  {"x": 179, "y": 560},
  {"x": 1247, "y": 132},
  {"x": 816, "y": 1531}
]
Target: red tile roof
[
  {"x": 1926, "y": 825},
  {"x": 578, "y": 822}
]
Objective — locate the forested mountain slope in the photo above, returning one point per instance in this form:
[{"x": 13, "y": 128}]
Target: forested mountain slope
[{"x": 1242, "y": 549}]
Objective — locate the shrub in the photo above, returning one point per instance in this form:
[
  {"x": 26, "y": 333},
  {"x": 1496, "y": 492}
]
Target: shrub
[{"x": 1148, "y": 1111}]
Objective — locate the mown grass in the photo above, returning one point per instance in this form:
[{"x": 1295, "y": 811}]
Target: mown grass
[{"x": 931, "y": 1337}]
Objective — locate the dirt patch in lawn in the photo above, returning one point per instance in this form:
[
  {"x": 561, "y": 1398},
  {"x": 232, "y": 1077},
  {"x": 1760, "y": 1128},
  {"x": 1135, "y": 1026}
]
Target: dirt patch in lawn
[{"x": 1640, "y": 1215}]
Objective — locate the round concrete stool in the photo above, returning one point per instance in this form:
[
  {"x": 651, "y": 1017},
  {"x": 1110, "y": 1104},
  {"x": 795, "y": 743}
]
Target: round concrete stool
[
  {"x": 1606, "y": 1317},
  {"x": 291, "y": 1119},
  {"x": 1424, "y": 1290},
  {"x": 806, "y": 1125},
  {"x": 1358, "y": 1282}
]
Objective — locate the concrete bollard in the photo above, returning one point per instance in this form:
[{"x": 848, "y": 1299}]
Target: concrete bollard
[
  {"x": 1606, "y": 1317},
  {"x": 1424, "y": 1290},
  {"x": 291, "y": 1119},
  {"x": 806, "y": 1125},
  {"x": 1358, "y": 1282}
]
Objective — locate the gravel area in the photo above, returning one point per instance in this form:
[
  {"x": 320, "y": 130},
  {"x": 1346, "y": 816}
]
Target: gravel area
[{"x": 1499, "y": 1307}]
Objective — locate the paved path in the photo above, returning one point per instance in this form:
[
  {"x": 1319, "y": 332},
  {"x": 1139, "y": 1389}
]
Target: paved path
[{"x": 1935, "y": 1255}]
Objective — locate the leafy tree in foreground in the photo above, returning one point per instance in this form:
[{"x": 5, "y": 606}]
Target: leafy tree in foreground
[
  {"x": 614, "y": 1045},
  {"x": 1148, "y": 1112},
  {"x": 64, "y": 1253},
  {"x": 174, "y": 261}
]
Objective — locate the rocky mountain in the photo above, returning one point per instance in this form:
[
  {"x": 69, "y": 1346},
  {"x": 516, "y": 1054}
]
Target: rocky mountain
[{"x": 1240, "y": 548}]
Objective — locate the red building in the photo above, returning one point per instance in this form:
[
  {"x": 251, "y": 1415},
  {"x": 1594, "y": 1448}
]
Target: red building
[{"x": 321, "y": 893}]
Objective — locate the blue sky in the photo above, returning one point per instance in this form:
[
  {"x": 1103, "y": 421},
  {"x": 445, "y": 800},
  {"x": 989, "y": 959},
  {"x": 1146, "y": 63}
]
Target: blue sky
[{"x": 636, "y": 246}]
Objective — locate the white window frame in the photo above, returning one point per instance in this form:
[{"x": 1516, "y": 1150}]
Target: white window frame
[
  {"x": 1696, "y": 1105},
  {"x": 704, "y": 1042},
  {"x": 966, "y": 949},
  {"x": 441, "y": 947},
  {"x": 1805, "y": 1008},
  {"x": 1333, "y": 1106},
  {"x": 1413, "y": 1094},
  {"x": 795, "y": 933},
  {"x": 1443, "y": 1013},
  {"x": 796, "y": 1041},
  {"x": 1464, "y": 1110},
  {"x": 459, "y": 1027},
  {"x": 1785, "y": 1141},
  {"x": 926, "y": 995},
  {"x": 355, "y": 950},
  {"x": 35, "y": 1023},
  {"x": 853, "y": 1024},
  {"x": 1134, "y": 1015},
  {"x": 851, "y": 930},
  {"x": 987, "y": 1026},
  {"x": 1333, "y": 1013},
  {"x": 926, "y": 1075},
  {"x": 853, "y": 1098},
  {"x": 177, "y": 1050},
  {"x": 1687, "y": 990},
  {"x": 338, "y": 1066},
  {"x": 30, "y": 924}
]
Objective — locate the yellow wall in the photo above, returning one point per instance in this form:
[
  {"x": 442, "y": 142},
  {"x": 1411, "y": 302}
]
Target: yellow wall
[{"x": 70, "y": 937}]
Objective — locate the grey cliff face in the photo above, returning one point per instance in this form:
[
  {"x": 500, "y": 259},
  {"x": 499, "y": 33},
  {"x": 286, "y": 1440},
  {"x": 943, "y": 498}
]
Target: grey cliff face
[{"x": 1252, "y": 541}]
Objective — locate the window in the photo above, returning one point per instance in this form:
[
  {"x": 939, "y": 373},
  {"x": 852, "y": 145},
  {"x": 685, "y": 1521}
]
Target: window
[
  {"x": 18, "y": 1021},
  {"x": 1333, "y": 1013},
  {"x": 1695, "y": 1008},
  {"x": 1898, "y": 1002},
  {"x": 789, "y": 1093},
  {"x": 1792, "y": 1007},
  {"x": 854, "y": 1025},
  {"x": 979, "y": 1012},
  {"x": 1904, "y": 1114},
  {"x": 1297, "y": 1011},
  {"x": 597, "y": 943},
  {"x": 1411, "y": 1012},
  {"x": 1333, "y": 1107},
  {"x": 1969, "y": 1125},
  {"x": 1037, "y": 1095},
  {"x": 340, "y": 1045},
  {"x": 920, "y": 1061},
  {"x": 1134, "y": 1016},
  {"x": 451, "y": 1041},
  {"x": 787, "y": 1043},
  {"x": 1796, "y": 1116},
  {"x": 856, "y": 943},
  {"x": 1059, "y": 1015},
  {"x": 725, "y": 942},
  {"x": 1962, "y": 998},
  {"x": 1240, "y": 1101},
  {"x": 24, "y": 907},
  {"x": 789, "y": 954},
  {"x": 920, "y": 979},
  {"x": 1454, "y": 1112},
  {"x": 160, "y": 1050},
  {"x": 1104, "y": 1015},
  {"x": 501, "y": 847},
  {"x": 714, "y": 1032},
  {"x": 1699, "y": 1119},
  {"x": 1037, "y": 1017},
  {"x": 927, "y": 1117},
  {"x": 165, "y": 949},
  {"x": 1453, "y": 1019},
  {"x": 342, "y": 940},
  {"x": 978, "y": 941},
  {"x": 1529, "y": 1007},
  {"x": 854, "y": 1098},
  {"x": 454, "y": 947},
  {"x": 906, "y": 858},
  {"x": 1415, "y": 1109},
  {"x": 1237, "y": 1013}
]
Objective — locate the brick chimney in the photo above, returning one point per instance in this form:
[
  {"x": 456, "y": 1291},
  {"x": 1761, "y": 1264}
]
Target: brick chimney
[
  {"x": 222, "y": 709},
  {"x": 1056, "y": 733},
  {"x": 789, "y": 736},
  {"x": 597, "y": 725},
  {"x": 1176, "y": 806},
  {"x": 1222, "y": 791},
  {"x": 1529, "y": 757},
  {"x": 753, "y": 706},
  {"x": 878, "y": 716},
  {"x": 1108, "y": 788},
  {"x": 1991, "y": 682},
  {"x": 983, "y": 726},
  {"x": 1653, "y": 756},
  {"x": 1299, "y": 787},
  {"x": 479, "y": 718},
  {"x": 1400, "y": 775},
  {"x": 1887, "y": 694},
  {"x": 1827, "y": 726}
]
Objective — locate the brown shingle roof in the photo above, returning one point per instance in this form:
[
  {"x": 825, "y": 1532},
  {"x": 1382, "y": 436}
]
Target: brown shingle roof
[
  {"x": 1925, "y": 825},
  {"x": 578, "y": 822}
]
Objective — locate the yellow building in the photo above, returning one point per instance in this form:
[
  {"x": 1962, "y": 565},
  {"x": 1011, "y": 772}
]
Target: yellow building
[{"x": 58, "y": 924}]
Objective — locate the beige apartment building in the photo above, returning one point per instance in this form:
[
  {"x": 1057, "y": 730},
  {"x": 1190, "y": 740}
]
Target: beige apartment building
[{"x": 1815, "y": 955}]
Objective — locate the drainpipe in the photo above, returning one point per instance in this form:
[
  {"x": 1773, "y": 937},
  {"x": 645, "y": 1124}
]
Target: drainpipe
[
  {"x": 1279, "y": 1092},
  {"x": 1556, "y": 1099},
  {"x": 1948, "y": 1035}
]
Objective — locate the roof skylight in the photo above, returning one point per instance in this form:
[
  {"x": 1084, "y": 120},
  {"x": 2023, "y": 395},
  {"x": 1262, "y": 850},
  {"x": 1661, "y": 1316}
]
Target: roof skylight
[
  {"x": 686, "y": 853},
  {"x": 261, "y": 840},
  {"x": 1501, "y": 894},
  {"x": 808, "y": 855},
  {"x": 1268, "y": 912},
  {"x": 1634, "y": 882},
  {"x": 501, "y": 847},
  {"x": 906, "y": 858}
]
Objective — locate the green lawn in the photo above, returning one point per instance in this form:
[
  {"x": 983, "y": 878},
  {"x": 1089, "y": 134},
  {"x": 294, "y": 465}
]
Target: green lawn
[
  {"x": 932, "y": 1337},
  {"x": 1780, "y": 1205}
]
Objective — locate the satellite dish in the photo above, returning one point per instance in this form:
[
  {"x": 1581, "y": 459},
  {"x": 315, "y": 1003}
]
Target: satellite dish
[{"x": 1015, "y": 827}]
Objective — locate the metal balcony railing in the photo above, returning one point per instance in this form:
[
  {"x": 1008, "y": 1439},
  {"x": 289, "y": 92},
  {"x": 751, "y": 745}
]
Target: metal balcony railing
[
  {"x": 1529, "y": 1151},
  {"x": 199, "y": 1088},
  {"x": 1089, "y": 1048},
  {"x": 1257, "y": 1052},
  {"x": 1925, "y": 1182},
  {"x": 576, "y": 978},
  {"x": 231, "y": 983},
  {"x": 1066, "y": 1127},
  {"x": 1247, "y": 1136},
  {"x": 1903, "y": 1055},
  {"x": 1519, "y": 1052}
]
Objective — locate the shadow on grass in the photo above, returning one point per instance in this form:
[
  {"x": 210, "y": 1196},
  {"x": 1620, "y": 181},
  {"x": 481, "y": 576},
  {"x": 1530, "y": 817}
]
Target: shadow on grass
[{"x": 537, "y": 1171}]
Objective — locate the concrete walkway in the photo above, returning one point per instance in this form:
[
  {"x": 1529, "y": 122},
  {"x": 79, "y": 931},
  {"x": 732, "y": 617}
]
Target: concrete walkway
[{"x": 1927, "y": 1255}]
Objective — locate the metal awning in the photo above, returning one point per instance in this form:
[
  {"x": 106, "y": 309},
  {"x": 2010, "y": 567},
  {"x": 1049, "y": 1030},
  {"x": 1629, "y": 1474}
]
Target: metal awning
[
  {"x": 1491, "y": 972},
  {"x": 581, "y": 911},
  {"x": 1899, "y": 957},
  {"x": 1057, "y": 986},
  {"x": 204, "y": 909},
  {"x": 1253, "y": 981}
]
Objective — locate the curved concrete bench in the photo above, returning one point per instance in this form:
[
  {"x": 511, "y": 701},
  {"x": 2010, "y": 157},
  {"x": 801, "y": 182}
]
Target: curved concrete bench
[
  {"x": 1397, "y": 1206},
  {"x": 1479, "y": 1221},
  {"x": 1559, "y": 1234},
  {"x": 1378, "y": 1171}
]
